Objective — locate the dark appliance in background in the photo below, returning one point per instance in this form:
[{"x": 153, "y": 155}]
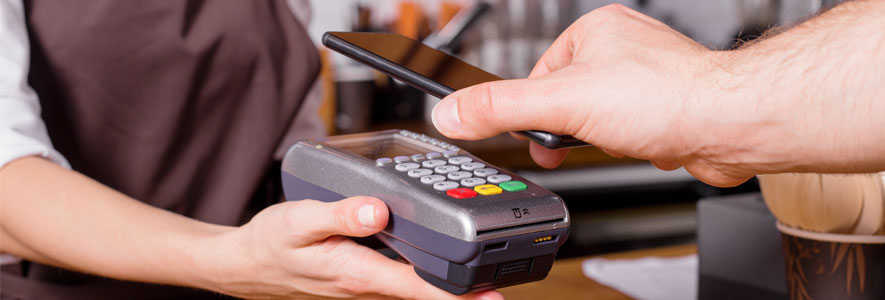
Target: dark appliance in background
[{"x": 740, "y": 250}]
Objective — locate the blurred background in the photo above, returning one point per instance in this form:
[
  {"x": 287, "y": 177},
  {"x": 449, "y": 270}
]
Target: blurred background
[{"x": 615, "y": 204}]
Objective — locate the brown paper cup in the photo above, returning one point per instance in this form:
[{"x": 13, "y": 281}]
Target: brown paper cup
[{"x": 833, "y": 266}]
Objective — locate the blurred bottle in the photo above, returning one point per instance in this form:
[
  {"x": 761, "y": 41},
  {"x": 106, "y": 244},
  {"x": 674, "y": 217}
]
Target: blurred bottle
[
  {"x": 354, "y": 82},
  {"x": 519, "y": 32}
]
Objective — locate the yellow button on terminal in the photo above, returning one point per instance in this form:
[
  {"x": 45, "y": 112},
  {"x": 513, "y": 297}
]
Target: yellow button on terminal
[{"x": 488, "y": 189}]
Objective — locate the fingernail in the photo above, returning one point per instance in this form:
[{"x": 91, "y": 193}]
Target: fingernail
[
  {"x": 366, "y": 215},
  {"x": 445, "y": 116}
]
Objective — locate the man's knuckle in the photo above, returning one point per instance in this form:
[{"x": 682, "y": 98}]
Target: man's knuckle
[
  {"x": 482, "y": 102},
  {"x": 291, "y": 213},
  {"x": 353, "y": 284},
  {"x": 490, "y": 95},
  {"x": 339, "y": 217},
  {"x": 608, "y": 16},
  {"x": 614, "y": 8}
]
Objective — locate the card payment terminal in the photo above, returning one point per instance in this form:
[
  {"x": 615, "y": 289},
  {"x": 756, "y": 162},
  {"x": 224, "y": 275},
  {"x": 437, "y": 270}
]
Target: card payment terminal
[{"x": 464, "y": 224}]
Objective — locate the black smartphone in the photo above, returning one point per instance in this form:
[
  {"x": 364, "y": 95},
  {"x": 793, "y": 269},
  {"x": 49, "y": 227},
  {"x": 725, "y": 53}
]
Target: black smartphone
[{"x": 430, "y": 70}]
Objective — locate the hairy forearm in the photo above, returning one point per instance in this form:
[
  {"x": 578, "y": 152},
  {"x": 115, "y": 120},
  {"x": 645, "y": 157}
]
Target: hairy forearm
[
  {"x": 60, "y": 217},
  {"x": 815, "y": 94}
]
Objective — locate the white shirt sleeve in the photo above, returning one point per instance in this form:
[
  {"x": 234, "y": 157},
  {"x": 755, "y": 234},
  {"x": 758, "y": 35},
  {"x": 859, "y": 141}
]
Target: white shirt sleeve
[{"x": 22, "y": 131}]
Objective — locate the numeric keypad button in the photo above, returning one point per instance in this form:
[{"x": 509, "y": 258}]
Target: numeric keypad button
[
  {"x": 433, "y": 163},
  {"x": 485, "y": 172},
  {"x": 419, "y": 172},
  {"x": 498, "y": 178},
  {"x": 431, "y": 179},
  {"x": 383, "y": 161},
  {"x": 472, "y": 166},
  {"x": 446, "y": 169},
  {"x": 445, "y": 185},
  {"x": 459, "y": 175},
  {"x": 457, "y": 160},
  {"x": 406, "y": 166},
  {"x": 471, "y": 182}
]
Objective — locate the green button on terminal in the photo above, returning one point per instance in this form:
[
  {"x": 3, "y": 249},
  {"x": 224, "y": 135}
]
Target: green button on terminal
[{"x": 513, "y": 186}]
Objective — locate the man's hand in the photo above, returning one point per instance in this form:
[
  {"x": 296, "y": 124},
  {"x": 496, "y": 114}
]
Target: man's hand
[
  {"x": 807, "y": 100},
  {"x": 297, "y": 249},
  {"x": 615, "y": 78}
]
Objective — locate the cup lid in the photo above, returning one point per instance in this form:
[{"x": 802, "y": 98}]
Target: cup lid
[{"x": 831, "y": 237}]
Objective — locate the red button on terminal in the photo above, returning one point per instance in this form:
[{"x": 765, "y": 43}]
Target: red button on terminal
[{"x": 461, "y": 193}]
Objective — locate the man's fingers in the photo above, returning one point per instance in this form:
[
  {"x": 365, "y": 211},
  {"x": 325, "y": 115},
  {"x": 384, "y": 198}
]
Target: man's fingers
[
  {"x": 518, "y": 136},
  {"x": 712, "y": 176},
  {"x": 611, "y": 153},
  {"x": 547, "y": 158},
  {"x": 487, "y": 109},
  {"x": 356, "y": 216},
  {"x": 666, "y": 165}
]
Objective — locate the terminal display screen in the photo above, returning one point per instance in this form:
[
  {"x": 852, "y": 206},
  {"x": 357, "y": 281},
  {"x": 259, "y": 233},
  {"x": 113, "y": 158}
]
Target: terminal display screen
[{"x": 378, "y": 146}]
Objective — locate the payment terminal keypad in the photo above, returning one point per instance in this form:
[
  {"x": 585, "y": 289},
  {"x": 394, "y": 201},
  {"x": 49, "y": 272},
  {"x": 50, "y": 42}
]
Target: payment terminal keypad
[{"x": 457, "y": 175}]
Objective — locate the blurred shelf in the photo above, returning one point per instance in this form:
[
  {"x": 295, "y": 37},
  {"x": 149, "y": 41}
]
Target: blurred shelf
[{"x": 606, "y": 177}]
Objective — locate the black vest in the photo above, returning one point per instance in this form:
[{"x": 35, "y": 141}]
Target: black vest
[{"x": 179, "y": 104}]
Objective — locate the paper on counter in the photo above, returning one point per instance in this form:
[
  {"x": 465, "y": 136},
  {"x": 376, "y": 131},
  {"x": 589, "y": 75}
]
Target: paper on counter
[{"x": 653, "y": 278}]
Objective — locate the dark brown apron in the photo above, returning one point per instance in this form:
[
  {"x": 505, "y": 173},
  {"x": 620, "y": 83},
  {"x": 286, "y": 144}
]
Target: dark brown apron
[{"x": 179, "y": 104}]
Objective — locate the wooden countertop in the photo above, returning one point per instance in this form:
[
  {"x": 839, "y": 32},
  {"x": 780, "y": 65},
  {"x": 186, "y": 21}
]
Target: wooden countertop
[{"x": 567, "y": 281}]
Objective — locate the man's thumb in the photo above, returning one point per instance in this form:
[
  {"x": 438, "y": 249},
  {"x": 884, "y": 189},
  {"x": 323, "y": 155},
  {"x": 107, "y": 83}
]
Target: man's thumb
[{"x": 488, "y": 109}]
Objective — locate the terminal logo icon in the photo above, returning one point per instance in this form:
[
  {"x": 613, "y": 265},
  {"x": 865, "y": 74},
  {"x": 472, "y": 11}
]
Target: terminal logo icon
[{"x": 517, "y": 212}]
